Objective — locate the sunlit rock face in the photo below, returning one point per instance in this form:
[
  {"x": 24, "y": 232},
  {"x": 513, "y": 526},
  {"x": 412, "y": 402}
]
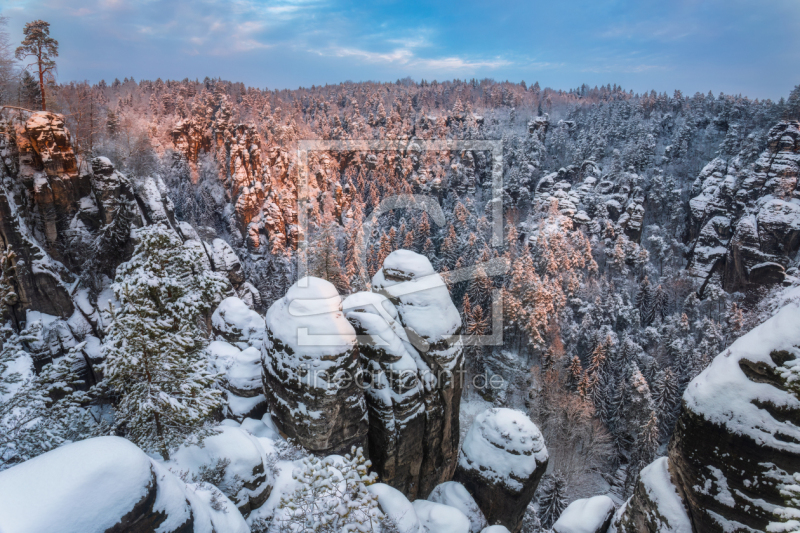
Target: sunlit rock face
[
  {"x": 502, "y": 460},
  {"x": 310, "y": 369},
  {"x": 745, "y": 222},
  {"x": 432, "y": 326},
  {"x": 258, "y": 178}
]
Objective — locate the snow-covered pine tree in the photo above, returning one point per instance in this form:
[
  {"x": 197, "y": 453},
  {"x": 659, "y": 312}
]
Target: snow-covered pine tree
[
  {"x": 666, "y": 400},
  {"x": 155, "y": 362},
  {"x": 553, "y": 499},
  {"x": 644, "y": 451}
]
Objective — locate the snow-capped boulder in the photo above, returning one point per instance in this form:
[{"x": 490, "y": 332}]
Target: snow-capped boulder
[
  {"x": 588, "y": 515},
  {"x": 234, "y": 461},
  {"x": 502, "y": 459},
  {"x": 734, "y": 459},
  {"x": 455, "y": 495},
  {"x": 495, "y": 529},
  {"x": 108, "y": 484},
  {"x": 433, "y": 327},
  {"x": 241, "y": 379},
  {"x": 655, "y": 505},
  {"x": 238, "y": 323},
  {"x": 396, "y": 507},
  {"x": 394, "y": 393},
  {"x": 311, "y": 367},
  {"x": 439, "y": 518}
]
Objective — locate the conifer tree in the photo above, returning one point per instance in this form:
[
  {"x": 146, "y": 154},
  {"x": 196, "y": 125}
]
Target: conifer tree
[
  {"x": 331, "y": 497},
  {"x": 644, "y": 451},
  {"x": 155, "y": 361},
  {"x": 666, "y": 400},
  {"x": 42, "y": 48},
  {"x": 553, "y": 499},
  {"x": 574, "y": 373}
]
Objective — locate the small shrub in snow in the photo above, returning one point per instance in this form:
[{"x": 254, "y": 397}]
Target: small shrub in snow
[{"x": 331, "y": 497}]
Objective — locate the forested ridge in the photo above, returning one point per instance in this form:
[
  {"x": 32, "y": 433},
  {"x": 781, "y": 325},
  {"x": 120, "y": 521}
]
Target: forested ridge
[{"x": 642, "y": 235}]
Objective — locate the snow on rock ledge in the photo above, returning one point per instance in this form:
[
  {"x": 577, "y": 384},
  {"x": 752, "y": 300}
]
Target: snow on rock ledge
[
  {"x": 396, "y": 507},
  {"x": 501, "y": 462},
  {"x": 655, "y": 505},
  {"x": 239, "y": 460},
  {"x": 438, "y": 518},
  {"x": 310, "y": 364},
  {"x": 455, "y": 495},
  {"x": 589, "y": 515},
  {"x": 107, "y": 484},
  {"x": 237, "y": 323}
]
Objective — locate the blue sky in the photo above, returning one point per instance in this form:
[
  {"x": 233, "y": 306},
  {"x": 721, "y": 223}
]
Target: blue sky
[{"x": 734, "y": 46}]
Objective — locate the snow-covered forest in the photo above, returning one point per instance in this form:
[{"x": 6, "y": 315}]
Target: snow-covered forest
[{"x": 642, "y": 303}]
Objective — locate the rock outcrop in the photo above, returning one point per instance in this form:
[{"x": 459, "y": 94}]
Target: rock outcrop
[
  {"x": 107, "y": 484},
  {"x": 587, "y": 515},
  {"x": 591, "y": 199},
  {"x": 232, "y": 458},
  {"x": 455, "y": 495},
  {"x": 310, "y": 368},
  {"x": 734, "y": 459},
  {"x": 432, "y": 326},
  {"x": 745, "y": 222},
  {"x": 656, "y": 504},
  {"x": 259, "y": 177},
  {"x": 502, "y": 460},
  {"x": 394, "y": 393}
]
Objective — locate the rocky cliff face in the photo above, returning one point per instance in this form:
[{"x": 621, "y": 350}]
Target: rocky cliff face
[
  {"x": 591, "y": 199},
  {"x": 69, "y": 223},
  {"x": 394, "y": 394},
  {"x": 734, "y": 459},
  {"x": 432, "y": 325},
  {"x": 260, "y": 180},
  {"x": 745, "y": 222},
  {"x": 311, "y": 367}
]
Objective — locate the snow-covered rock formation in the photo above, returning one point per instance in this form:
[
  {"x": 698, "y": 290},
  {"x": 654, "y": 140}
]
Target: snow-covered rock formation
[
  {"x": 656, "y": 504},
  {"x": 107, "y": 484},
  {"x": 455, "y": 495},
  {"x": 745, "y": 222},
  {"x": 394, "y": 393},
  {"x": 432, "y": 328},
  {"x": 232, "y": 458},
  {"x": 591, "y": 199},
  {"x": 310, "y": 364},
  {"x": 587, "y": 515},
  {"x": 69, "y": 224},
  {"x": 502, "y": 459},
  {"x": 734, "y": 459},
  {"x": 259, "y": 178}
]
